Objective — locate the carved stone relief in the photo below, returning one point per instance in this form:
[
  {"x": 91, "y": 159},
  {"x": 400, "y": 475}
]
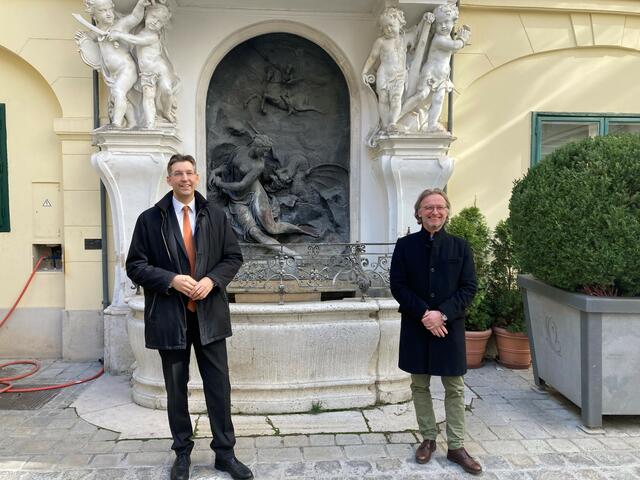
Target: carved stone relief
[{"x": 278, "y": 141}]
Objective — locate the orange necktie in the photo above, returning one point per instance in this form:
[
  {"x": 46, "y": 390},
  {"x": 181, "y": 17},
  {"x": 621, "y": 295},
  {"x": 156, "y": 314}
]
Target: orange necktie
[{"x": 191, "y": 249}]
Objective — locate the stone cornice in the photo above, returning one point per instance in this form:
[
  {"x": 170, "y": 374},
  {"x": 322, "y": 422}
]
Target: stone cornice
[{"x": 73, "y": 128}]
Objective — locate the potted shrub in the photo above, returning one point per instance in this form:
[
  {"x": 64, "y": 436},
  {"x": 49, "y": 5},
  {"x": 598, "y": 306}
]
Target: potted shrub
[
  {"x": 575, "y": 220},
  {"x": 471, "y": 225},
  {"x": 505, "y": 301}
]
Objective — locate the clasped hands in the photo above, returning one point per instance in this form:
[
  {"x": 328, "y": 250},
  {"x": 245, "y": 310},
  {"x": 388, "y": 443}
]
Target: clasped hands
[
  {"x": 195, "y": 290},
  {"x": 433, "y": 321}
]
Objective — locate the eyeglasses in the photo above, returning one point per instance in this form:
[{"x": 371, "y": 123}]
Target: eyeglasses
[
  {"x": 190, "y": 173},
  {"x": 434, "y": 208}
]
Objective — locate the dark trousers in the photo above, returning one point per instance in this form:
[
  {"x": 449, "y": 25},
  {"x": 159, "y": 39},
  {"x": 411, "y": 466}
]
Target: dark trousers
[{"x": 212, "y": 363}]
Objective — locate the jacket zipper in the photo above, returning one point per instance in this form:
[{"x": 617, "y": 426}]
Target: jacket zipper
[{"x": 164, "y": 240}]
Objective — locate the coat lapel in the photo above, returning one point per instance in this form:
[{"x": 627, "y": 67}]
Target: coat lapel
[{"x": 175, "y": 229}]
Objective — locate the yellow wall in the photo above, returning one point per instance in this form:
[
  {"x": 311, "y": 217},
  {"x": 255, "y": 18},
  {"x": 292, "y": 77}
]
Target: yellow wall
[
  {"x": 33, "y": 158},
  {"x": 41, "y": 32},
  {"x": 524, "y": 61},
  {"x": 48, "y": 92}
]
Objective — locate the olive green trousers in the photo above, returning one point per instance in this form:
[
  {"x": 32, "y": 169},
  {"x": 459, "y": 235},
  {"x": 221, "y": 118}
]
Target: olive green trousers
[{"x": 453, "y": 406}]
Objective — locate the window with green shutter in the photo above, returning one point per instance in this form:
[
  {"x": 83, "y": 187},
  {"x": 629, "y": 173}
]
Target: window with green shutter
[
  {"x": 553, "y": 130},
  {"x": 4, "y": 175}
]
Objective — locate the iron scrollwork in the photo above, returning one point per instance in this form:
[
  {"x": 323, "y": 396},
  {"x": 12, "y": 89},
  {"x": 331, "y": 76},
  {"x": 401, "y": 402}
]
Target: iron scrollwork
[{"x": 318, "y": 267}]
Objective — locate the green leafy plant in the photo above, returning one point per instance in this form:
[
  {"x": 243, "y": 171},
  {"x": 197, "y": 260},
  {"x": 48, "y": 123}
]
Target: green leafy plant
[
  {"x": 503, "y": 296},
  {"x": 575, "y": 217},
  {"x": 471, "y": 225}
]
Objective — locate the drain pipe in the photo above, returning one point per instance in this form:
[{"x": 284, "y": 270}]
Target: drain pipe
[
  {"x": 450, "y": 96},
  {"x": 450, "y": 99},
  {"x": 103, "y": 202}
]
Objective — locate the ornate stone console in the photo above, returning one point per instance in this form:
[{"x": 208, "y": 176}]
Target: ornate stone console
[{"x": 411, "y": 163}]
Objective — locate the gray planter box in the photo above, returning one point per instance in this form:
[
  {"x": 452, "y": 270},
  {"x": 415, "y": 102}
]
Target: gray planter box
[{"x": 587, "y": 348}]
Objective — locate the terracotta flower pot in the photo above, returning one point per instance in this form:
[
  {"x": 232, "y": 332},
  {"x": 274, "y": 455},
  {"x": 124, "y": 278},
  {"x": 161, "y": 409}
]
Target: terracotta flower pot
[
  {"x": 513, "y": 348},
  {"x": 476, "y": 344}
]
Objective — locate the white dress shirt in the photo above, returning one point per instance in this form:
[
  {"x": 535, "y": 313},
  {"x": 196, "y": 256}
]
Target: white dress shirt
[{"x": 177, "y": 206}]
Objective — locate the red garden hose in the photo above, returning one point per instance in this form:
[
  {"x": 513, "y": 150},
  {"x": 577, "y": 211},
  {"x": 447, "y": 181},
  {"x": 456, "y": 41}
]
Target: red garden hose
[{"x": 5, "y": 382}]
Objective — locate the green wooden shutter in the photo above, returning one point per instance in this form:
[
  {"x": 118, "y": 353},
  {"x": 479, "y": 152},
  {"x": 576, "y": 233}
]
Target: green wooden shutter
[{"x": 4, "y": 175}]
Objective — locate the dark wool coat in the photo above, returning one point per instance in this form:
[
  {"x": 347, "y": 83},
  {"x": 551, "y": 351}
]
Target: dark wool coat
[
  {"x": 436, "y": 274},
  {"x": 157, "y": 253}
]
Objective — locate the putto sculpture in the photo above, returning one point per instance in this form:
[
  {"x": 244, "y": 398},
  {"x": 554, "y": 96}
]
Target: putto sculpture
[
  {"x": 129, "y": 51},
  {"x": 412, "y": 68}
]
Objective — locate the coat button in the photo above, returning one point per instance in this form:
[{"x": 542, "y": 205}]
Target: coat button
[
  {"x": 432, "y": 269},
  {"x": 432, "y": 294}
]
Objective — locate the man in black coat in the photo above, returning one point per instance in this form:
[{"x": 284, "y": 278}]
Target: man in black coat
[
  {"x": 433, "y": 279},
  {"x": 184, "y": 253}
]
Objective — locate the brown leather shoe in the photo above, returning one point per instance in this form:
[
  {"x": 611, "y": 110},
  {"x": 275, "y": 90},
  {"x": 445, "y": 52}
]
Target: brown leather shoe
[
  {"x": 424, "y": 451},
  {"x": 466, "y": 461}
]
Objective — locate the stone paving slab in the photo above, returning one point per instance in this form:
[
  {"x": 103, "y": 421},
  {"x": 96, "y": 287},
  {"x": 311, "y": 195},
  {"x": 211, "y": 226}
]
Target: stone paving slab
[
  {"x": 244, "y": 425},
  {"x": 398, "y": 418},
  {"x": 107, "y": 404},
  {"x": 327, "y": 422},
  {"x": 516, "y": 431}
]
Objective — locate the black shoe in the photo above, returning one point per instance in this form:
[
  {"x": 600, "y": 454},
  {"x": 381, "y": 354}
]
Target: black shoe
[
  {"x": 234, "y": 467},
  {"x": 180, "y": 469}
]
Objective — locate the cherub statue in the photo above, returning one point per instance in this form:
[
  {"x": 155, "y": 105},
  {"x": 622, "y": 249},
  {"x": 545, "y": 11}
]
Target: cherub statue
[
  {"x": 99, "y": 50},
  {"x": 157, "y": 76},
  {"x": 434, "y": 80},
  {"x": 389, "y": 53}
]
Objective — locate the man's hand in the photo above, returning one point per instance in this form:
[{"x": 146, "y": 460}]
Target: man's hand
[
  {"x": 183, "y": 284},
  {"x": 201, "y": 289},
  {"x": 432, "y": 320}
]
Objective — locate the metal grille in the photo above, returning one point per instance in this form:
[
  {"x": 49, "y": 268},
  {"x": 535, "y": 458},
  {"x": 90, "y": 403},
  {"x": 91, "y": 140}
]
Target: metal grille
[
  {"x": 28, "y": 400},
  {"x": 318, "y": 267}
]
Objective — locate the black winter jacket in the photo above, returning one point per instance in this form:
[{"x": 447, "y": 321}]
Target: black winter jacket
[
  {"x": 157, "y": 254},
  {"x": 438, "y": 275}
]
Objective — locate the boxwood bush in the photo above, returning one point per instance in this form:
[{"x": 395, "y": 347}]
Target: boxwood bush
[
  {"x": 575, "y": 217},
  {"x": 503, "y": 295},
  {"x": 471, "y": 225}
]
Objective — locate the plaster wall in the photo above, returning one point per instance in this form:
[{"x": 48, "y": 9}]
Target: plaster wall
[
  {"x": 33, "y": 162},
  {"x": 521, "y": 62},
  {"x": 47, "y": 91}
]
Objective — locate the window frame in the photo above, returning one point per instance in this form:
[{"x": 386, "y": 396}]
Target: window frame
[
  {"x": 5, "y": 224},
  {"x": 603, "y": 120}
]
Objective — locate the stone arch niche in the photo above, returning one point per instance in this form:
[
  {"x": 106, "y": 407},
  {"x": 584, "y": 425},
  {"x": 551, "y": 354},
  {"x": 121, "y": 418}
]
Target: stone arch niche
[{"x": 277, "y": 107}]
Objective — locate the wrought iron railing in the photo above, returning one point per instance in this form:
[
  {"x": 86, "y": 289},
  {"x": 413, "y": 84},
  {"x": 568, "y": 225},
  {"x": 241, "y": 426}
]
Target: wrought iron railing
[{"x": 287, "y": 269}]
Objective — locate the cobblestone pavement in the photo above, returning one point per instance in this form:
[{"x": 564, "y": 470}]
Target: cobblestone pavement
[{"x": 516, "y": 431}]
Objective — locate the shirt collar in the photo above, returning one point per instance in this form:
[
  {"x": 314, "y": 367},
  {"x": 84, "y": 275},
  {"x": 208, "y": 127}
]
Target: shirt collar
[
  {"x": 427, "y": 236},
  {"x": 177, "y": 205}
]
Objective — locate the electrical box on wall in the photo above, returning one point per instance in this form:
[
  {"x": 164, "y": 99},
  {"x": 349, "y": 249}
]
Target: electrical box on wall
[
  {"x": 52, "y": 261},
  {"x": 47, "y": 212}
]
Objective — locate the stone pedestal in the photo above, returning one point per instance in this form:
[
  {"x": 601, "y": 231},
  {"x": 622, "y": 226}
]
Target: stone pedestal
[
  {"x": 411, "y": 163},
  {"x": 132, "y": 165},
  {"x": 118, "y": 356},
  {"x": 288, "y": 358}
]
